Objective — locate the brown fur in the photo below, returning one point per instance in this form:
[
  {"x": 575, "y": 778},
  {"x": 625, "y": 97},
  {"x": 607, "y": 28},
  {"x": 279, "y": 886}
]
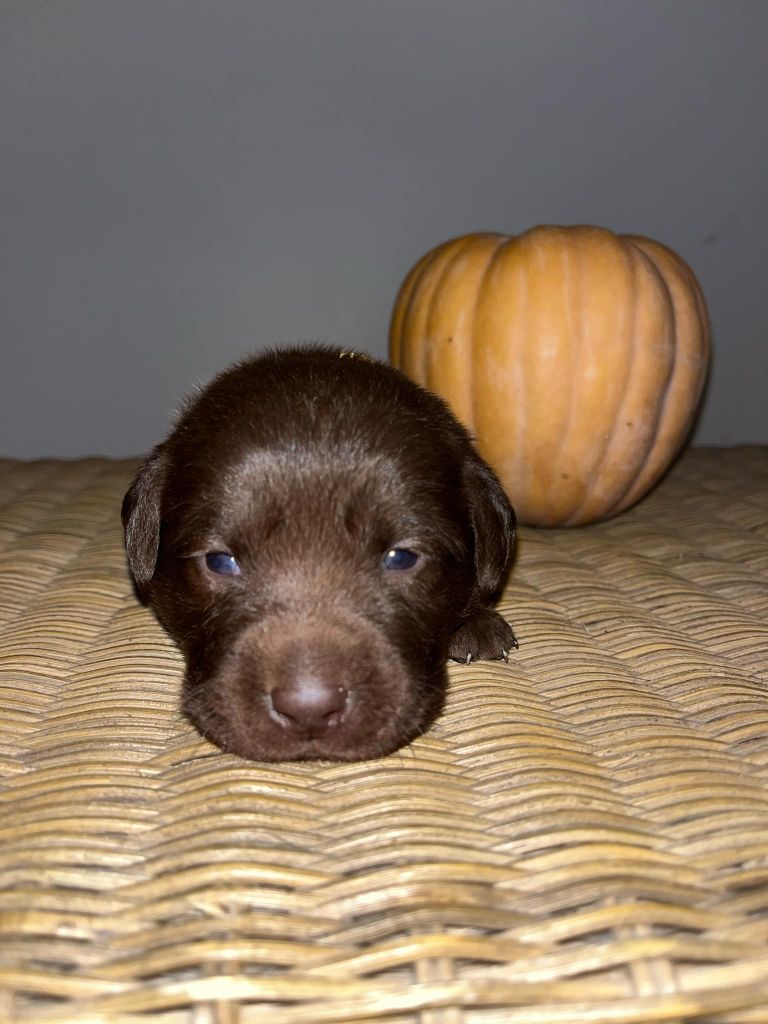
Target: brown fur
[{"x": 307, "y": 466}]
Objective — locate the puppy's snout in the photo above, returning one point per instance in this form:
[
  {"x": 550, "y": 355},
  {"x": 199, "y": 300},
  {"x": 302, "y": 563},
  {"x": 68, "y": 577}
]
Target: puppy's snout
[{"x": 308, "y": 704}]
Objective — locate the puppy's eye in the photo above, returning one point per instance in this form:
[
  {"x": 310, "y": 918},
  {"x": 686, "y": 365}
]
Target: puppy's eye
[
  {"x": 222, "y": 563},
  {"x": 400, "y": 558}
]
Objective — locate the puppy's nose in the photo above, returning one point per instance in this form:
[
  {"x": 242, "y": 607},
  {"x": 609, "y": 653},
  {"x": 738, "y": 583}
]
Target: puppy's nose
[{"x": 309, "y": 704}]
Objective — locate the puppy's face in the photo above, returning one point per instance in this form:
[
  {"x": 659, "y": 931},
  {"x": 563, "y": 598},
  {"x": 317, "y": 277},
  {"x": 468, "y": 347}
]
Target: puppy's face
[{"x": 308, "y": 536}]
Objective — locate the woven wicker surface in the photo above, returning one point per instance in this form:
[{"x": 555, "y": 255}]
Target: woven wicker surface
[{"x": 583, "y": 837}]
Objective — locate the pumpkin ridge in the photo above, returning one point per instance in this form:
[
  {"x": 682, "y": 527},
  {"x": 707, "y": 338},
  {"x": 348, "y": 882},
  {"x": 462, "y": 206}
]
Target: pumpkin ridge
[
  {"x": 502, "y": 242},
  {"x": 460, "y": 246},
  {"x": 521, "y": 393},
  {"x": 578, "y": 337},
  {"x": 609, "y": 442},
  {"x": 402, "y": 308},
  {"x": 543, "y": 352},
  {"x": 419, "y": 276},
  {"x": 663, "y": 400},
  {"x": 671, "y": 430}
]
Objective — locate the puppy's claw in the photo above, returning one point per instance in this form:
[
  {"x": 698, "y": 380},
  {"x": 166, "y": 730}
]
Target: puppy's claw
[{"x": 484, "y": 635}]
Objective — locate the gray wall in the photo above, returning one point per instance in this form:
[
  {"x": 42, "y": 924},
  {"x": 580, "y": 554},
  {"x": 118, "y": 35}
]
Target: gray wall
[{"x": 183, "y": 181}]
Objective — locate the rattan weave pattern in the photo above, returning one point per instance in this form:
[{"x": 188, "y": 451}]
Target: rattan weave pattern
[{"x": 583, "y": 837}]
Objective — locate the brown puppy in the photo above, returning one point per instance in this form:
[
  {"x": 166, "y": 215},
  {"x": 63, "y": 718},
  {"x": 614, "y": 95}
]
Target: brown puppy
[{"x": 318, "y": 534}]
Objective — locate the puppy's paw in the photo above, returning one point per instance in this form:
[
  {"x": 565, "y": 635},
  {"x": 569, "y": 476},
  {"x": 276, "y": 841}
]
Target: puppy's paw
[{"x": 484, "y": 636}]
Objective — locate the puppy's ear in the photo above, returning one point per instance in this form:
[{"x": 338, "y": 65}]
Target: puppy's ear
[
  {"x": 141, "y": 517},
  {"x": 493, "y": 523}
]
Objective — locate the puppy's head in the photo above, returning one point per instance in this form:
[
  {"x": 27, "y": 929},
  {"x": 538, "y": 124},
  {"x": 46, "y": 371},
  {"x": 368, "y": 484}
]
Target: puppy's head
[{"x": 310, "y": 534}]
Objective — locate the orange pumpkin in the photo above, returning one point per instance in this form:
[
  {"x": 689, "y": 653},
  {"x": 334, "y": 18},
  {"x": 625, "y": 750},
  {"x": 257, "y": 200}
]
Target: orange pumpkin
[{"x": 576, "y": 357}]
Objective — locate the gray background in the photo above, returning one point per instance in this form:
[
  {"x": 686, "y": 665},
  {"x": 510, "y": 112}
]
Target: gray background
[{"x": 183, "y": 181}]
